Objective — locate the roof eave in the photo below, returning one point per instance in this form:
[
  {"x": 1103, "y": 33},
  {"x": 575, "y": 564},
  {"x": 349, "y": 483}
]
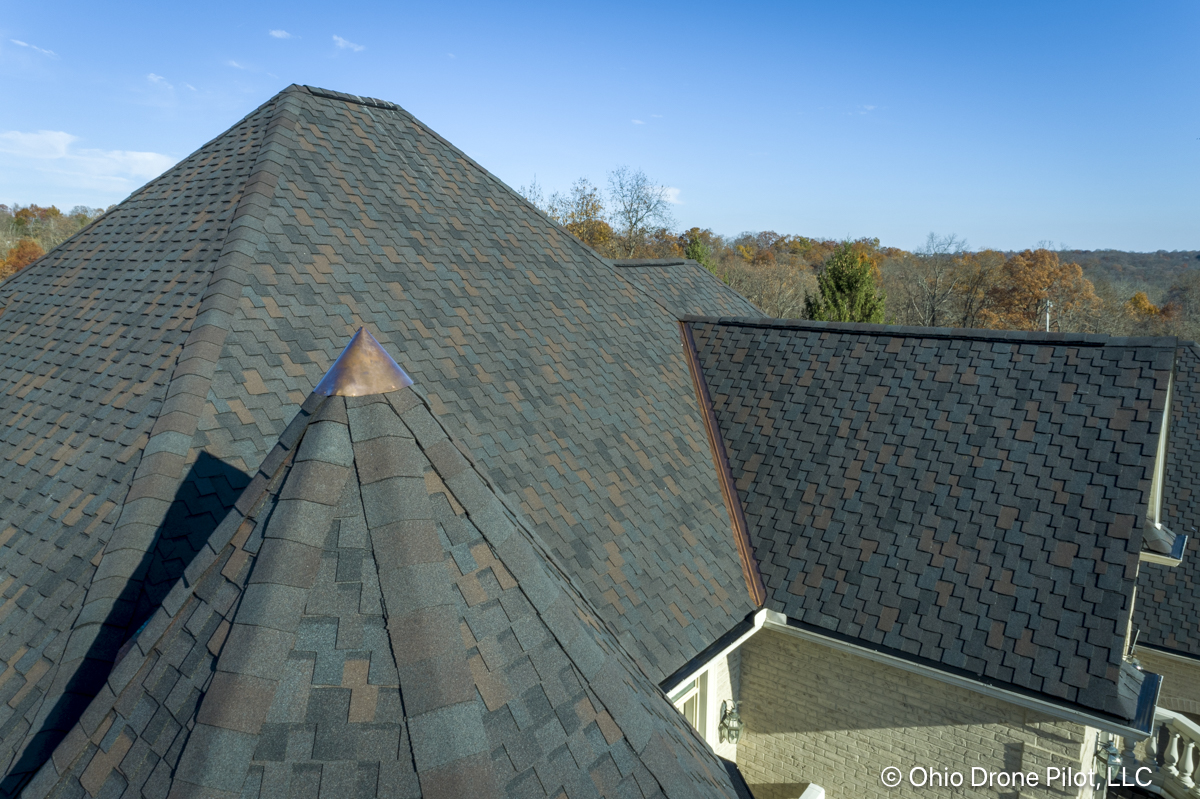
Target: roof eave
[{"x": 774, "y": 620}]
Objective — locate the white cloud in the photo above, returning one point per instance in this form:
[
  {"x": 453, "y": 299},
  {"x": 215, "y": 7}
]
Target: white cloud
[
  {"x": 656, "y": 116},
  {"x": 452, "y": 55},
  {"x": 637, "y": 122},
  {"x": 20, "y": 43},
  {"x": 346, "y": 45},
  {"x": 43, "y": 144},
  {"x": 280, "y": 34},
  {"x": 189, "y": 86},
  {"x": 159, "y": 80},
  {"x": 55, "y": 146},
  {"x": 234, "y": 64},
  {"x": 135, "y": 164},
  {"x": 673, "y": 196}
]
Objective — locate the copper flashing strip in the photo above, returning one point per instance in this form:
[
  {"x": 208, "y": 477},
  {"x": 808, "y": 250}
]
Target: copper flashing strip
[{"x": 741, "y": 532}]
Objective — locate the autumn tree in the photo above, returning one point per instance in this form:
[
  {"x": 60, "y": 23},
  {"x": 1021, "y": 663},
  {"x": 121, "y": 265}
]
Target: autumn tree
[
  {"x": 977, "y": 273},
  {"x": 533, "y": 193},
  {"x": 1139, "y": 307},
  {"x": 1183, "y": 300},
  {"x": 846, "y": 289},
  {"x": 1035, "y": 291},
  {"x": 637, "y": 206},
  {"x": 581, "y": 211},
  {"x": 22, "y": 255},
  {"x": 43, "y": 226}
]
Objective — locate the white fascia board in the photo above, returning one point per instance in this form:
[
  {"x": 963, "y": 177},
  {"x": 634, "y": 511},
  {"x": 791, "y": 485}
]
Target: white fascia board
[
  {"x": 778, "y": 622},
  {"x": 1162, "y": 560}
]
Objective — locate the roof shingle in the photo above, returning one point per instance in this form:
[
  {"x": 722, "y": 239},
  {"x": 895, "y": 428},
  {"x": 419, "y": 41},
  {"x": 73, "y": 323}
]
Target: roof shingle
[
  {"x": 1167, "y": 612},
  {"x": 382, "y": 624},
  {"x": 969, "y": 500},
  {"x": 153, "y": 360}
]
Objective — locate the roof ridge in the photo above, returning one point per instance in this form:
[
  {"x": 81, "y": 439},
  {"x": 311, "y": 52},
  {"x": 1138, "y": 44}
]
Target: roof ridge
[
  {"x": 330, "y": 94},
  {"x": 146, "y": 186},
  {"x": 957, "y": 333},
  {"x": 389, "y": 106},
  {"x": 102, "y": 628}
]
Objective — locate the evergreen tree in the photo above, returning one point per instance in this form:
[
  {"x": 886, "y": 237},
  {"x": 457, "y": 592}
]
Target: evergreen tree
[
  {"x": 700, "y": 252},
  {"x": 846, "y": 290}
]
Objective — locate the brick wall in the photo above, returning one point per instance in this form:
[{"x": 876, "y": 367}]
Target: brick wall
[
  {"x": 814, "y": 714},
  {"x": 1181, "y": 680}
]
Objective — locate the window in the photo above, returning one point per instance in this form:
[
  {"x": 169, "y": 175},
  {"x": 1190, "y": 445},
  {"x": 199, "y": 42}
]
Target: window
[{"x": 692, "y": 700}]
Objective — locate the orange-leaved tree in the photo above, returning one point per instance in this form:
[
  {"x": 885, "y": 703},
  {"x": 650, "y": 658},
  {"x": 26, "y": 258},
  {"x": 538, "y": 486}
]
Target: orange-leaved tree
[
  {"x": 1034, "y": 290},
  {"x": 23, "y": 253}
]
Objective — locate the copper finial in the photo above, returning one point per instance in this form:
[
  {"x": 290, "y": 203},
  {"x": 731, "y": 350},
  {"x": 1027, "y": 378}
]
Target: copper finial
[{"x": 363, "y": 368}]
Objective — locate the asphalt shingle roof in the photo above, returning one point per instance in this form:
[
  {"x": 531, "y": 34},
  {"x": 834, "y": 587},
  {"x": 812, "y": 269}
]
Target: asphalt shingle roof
[
  {"x": 90, "y": 338},
  {"x": 968, "y": 500},
  {"x": 683, "y": 287},
  {"x": 1167, "y": 611},
  {"x": 374, "y": 620},
  {"x": 151, "y": 362}
]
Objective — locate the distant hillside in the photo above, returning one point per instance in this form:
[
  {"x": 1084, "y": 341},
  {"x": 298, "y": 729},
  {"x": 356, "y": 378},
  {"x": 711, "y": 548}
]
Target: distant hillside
[{"x": 1156, "y": 270}]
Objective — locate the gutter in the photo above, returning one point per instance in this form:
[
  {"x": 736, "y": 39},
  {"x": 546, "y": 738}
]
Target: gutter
[
  {"x": 1136, "y": 729},
  {"x": 1144, "y": 717},
  {"x": 1169, "y": 654},
  {"x": 728, "y": 642}
]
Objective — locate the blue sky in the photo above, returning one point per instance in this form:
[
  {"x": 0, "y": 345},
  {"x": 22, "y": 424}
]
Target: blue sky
[{"x": 1007, "y": 124}]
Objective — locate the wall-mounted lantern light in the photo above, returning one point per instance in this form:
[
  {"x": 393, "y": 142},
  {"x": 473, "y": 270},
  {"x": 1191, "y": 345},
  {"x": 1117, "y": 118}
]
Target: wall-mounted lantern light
[
  {"x": 1109, "y": 753},
  {"x": 730, "y": 726}
]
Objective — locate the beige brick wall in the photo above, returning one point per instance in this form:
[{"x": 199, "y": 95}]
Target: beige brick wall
[
  {"x": 1181, "y": 680},
  {"x": 814, "y": 714}
]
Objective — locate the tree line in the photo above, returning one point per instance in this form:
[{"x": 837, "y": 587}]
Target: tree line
[
  {"x": 27, "y": 232},
  {"x": 944, "y": 283}
]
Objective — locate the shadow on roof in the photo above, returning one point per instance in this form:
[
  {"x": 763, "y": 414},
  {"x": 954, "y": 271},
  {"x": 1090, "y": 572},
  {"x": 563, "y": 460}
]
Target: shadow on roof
[{"x": 199, "y": 506}]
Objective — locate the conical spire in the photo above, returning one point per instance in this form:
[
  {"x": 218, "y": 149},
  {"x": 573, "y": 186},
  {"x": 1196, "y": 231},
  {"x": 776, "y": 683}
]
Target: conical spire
[{"x": 363, "y": 368}]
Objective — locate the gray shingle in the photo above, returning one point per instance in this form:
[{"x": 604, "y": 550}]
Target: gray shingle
[
  {"x": 896, "y": 488},
  {"x": 534, "y": 371},
  {"x": 1167, "y": 614}
]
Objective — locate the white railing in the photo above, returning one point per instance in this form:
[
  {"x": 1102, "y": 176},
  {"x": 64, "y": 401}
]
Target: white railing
[{"x": 1172, "y": 753}]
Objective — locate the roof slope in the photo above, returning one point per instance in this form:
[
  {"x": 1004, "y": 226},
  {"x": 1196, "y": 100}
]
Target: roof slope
[
  {"x": 1167, "y": 612},
  {"x": 90, "y": 337},
  {"x": 379, "y": 623},
  {"x": 569, "y": 382},
  {"x": 968, "y": 500},
  {"x": 682, "y": 286},
  {"x": 153, "y": 359}
]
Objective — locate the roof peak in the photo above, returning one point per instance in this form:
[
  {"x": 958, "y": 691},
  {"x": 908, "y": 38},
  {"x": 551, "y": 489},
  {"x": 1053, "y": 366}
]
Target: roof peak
[{"x": 363, "y": 368}]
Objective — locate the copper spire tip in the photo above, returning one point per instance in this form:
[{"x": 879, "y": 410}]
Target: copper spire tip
[{"x": 363, "y": 368}]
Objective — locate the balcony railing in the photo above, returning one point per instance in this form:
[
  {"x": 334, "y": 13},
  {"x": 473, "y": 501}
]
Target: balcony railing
[{"x": 1172, "y": 753}]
